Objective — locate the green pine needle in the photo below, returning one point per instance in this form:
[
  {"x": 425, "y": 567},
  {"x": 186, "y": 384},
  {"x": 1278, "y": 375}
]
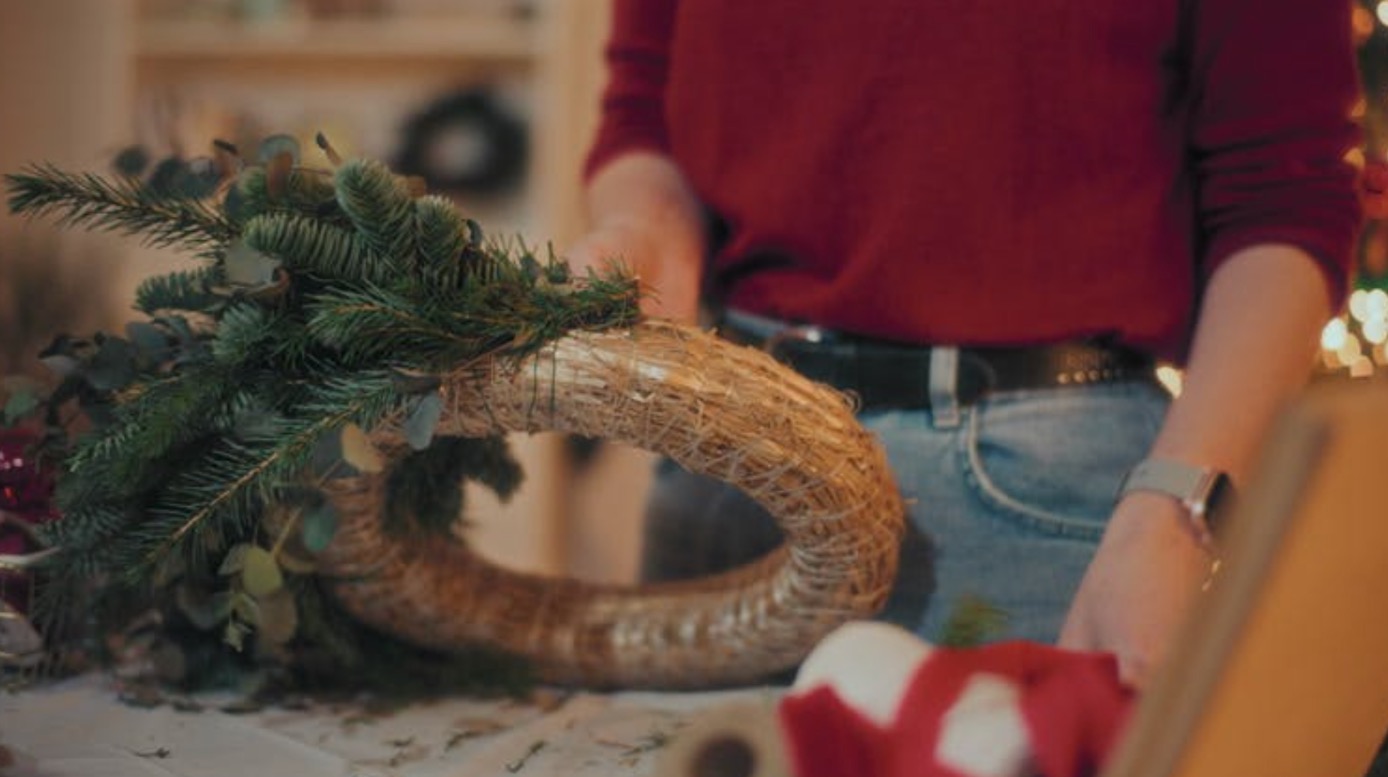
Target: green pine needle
[
  {"x": 180, "y": 290},
  {"x": 89, "y": 200},
  {"x": 318, "y": 291}
]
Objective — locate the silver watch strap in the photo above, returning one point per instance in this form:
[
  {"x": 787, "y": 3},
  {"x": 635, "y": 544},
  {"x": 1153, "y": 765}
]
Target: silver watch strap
[{"x": 1190, "y": 485}]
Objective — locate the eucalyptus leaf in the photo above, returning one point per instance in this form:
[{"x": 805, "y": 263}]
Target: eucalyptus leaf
[
  {"x": 260, "y": 575},
  {"x": 66, "y": 356},
  {"x": 325, "y": 459},
  {"x": 358, "y": 451},
  {"x": 151, "y": 343},
  {"x": 113, "y": 367},
  {"x": 146, "y": 336},
  {"x": 235, "y": 560},
  {"x": 278, "y": 617},
  {"x": 274, "y": 145},
  {"x": 248, "y": 267},
  {"x": 61, "y": 364},
  {"x": 132, "y": 161},
  {"x": 235, "y": 635},
  {"x": 198, "y": 179},
  {"x": 319, "y": 527},
  {"x": 246, "y": 607},
  {"x": 423, "y": 420},
  {"x": 163, "y": 180},
  {"x": 20, "y": 404},
  {"x": 414, "y": 381}
]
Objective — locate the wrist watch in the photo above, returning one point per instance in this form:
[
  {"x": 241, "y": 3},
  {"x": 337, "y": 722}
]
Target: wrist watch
[{"x": 1205, "y": 493}]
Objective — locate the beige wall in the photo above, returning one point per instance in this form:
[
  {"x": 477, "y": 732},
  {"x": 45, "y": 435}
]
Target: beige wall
[{"x": 65, "y": 89}]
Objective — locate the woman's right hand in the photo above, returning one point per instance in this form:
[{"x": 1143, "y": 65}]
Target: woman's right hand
[{"x": 646, "y": 219}]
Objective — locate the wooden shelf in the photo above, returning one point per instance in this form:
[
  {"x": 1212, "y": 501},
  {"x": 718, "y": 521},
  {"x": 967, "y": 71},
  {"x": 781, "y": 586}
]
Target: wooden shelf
[{"x": 491, "y": 36}]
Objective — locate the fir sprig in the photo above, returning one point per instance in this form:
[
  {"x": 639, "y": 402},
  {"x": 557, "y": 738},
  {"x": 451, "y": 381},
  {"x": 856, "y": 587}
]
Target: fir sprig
[
  {"x": 321, "y": 289},
  {"x": 121, "y": 205},
  {"x": 179, "y": 290}
]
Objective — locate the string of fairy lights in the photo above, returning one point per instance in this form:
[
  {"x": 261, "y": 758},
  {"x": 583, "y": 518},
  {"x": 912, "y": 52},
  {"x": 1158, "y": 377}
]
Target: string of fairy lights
[{"x": 1355, "y": 343}]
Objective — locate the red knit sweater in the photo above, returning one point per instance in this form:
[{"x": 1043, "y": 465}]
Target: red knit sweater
[{"x": 988, "y": 171}]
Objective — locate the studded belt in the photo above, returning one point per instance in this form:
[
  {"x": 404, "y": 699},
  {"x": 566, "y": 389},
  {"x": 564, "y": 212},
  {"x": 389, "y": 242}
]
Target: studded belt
[{"x": 888, "y": 375}]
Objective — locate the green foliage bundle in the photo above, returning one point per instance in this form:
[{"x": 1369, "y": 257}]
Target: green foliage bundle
[{"x": 324, "y": 302}]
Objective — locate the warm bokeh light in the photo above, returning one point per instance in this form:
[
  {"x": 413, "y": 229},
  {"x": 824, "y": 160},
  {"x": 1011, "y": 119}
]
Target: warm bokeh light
[
  {"x": 1359, "y": 305},
  {"x": 1376, "y": 331},
  {"x": 1334, "y": 335},
  {"x": 1376, "y": 305},
  {"x": 1351, "y": 350},
  {"x": 1362, "y": 23},
  {"x": 1171, "y": 378}
]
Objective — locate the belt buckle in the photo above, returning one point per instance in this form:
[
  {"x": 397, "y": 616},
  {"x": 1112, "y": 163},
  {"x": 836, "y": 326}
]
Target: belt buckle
[{"x": 795, "y": 333}]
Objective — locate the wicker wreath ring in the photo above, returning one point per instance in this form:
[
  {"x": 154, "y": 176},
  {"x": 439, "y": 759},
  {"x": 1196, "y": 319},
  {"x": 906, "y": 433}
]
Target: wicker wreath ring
[{"x": 718, "y": 409}]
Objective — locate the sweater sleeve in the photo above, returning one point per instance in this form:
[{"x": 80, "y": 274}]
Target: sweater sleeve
[
  {"x": 1274, "y": 86},
  {"x": 633, "y": 102}
]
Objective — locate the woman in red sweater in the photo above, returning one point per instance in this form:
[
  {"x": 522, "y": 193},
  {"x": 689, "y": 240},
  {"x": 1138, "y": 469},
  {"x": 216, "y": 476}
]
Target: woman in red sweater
[{"x": 988, "y": 219}]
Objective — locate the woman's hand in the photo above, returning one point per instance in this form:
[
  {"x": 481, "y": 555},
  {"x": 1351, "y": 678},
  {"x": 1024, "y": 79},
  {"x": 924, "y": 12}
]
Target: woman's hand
[
  {"x": 1244, "y": 365},
  {"x": 1148, "y": 570},
  {"x": 645, "y": 217},
  {"x": 666, "y": 265}
]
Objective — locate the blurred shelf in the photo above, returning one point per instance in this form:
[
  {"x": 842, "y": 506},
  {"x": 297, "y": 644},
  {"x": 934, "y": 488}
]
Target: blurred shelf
[{"x": 502, "y": 37}]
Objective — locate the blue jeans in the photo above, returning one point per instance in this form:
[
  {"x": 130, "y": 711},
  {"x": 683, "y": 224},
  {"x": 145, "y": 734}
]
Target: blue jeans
[{"x": 1006, "y": 498}]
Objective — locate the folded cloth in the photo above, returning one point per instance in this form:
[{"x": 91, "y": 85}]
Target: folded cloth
[{"x": 1003, "y": 710}]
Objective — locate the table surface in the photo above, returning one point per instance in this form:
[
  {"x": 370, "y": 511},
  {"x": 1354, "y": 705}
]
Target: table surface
[{"x": 80, "y": 727}]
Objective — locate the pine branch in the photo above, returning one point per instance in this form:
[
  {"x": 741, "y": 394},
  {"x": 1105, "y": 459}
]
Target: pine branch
[
  {"x": 164, "y": 414},
  {"x": 379, "y": 204},
  {"x": 179, "y": 290},
  {"x": 263, "y": 474},
  {"x": 321, "y": 288},
  {"x": 443, "y": 238},
  {"x": 242, "y": 332},
  {"x": 317, "y": 248},
  {"x": 377, "y": 326},
  {"x": 306, "y": 192},
  {"x": 122, "y": 206}
]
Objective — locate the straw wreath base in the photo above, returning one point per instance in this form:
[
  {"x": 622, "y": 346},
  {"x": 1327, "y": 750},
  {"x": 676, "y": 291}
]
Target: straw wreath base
[{"x": 719, "y": 409}]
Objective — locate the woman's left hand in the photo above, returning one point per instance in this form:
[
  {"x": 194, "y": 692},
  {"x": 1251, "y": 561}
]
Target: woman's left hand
[{"x": 1148, "y": 570}]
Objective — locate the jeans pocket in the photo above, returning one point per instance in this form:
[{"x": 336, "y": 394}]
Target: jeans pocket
[{"x": 1050, "y": 462}]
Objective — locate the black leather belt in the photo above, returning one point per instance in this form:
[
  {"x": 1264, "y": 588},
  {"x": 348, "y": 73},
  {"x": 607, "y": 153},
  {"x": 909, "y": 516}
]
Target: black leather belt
[{"x": 887, "y": 375}]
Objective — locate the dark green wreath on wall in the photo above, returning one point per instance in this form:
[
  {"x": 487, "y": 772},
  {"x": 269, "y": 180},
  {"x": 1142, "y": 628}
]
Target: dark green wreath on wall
[{"x": 325, "y": 301}]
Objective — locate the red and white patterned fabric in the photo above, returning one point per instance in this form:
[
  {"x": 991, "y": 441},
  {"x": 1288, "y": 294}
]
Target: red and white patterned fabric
[{"x": 1005, "y": 710}]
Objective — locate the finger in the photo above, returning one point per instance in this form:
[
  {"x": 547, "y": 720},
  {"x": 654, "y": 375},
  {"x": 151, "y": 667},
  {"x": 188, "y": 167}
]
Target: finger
[
  {"x": 1135, "y": 669},
  {"x": 1074, "y": 633}
]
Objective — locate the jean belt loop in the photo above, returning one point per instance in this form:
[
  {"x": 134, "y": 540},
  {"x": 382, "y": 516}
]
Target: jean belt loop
[{"x": 944, "y": 382}]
